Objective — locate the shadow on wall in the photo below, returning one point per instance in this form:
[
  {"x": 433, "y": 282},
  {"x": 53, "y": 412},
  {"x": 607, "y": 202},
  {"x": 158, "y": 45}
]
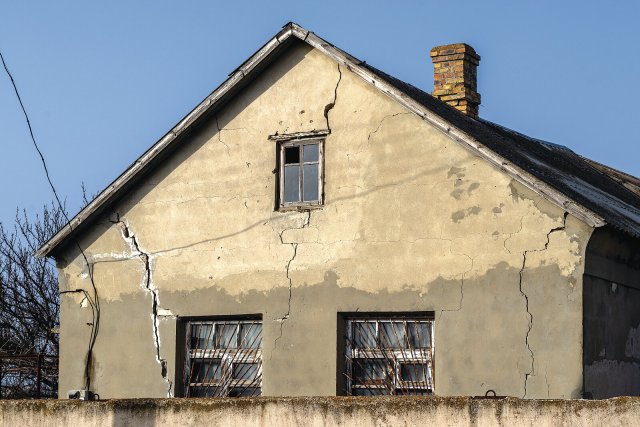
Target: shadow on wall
[{"x": 611, "y": 323}]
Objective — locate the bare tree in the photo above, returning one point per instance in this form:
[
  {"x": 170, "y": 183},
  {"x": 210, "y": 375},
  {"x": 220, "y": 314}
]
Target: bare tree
[{"x": 29, "y": 307}]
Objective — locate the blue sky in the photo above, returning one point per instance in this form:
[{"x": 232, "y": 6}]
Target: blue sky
[{"x": 102, "y": 81}]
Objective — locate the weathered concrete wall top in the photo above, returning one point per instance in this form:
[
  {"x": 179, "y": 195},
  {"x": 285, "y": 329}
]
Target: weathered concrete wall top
[
  {"x": 317, "y": 412},
  {"x": 411, "y": 222}
]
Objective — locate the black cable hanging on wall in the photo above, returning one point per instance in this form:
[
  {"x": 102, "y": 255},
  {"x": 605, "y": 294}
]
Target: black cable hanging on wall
[{"x": 93, "y": 302}]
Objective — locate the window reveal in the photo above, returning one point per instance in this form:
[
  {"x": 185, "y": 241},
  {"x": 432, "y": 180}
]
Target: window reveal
[
  {"x": 301, "y": 173},
  {"x": 223, "y": 358},
  {"x": 389, "y": 356}
]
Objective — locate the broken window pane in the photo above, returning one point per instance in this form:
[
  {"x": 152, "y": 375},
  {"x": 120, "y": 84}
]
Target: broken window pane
[
  {"x": 311, "y": 153},
  {"x": 310, "y": 189},
  {"x": 291, "y": 155},
  {"x": 291, "y": 184}
]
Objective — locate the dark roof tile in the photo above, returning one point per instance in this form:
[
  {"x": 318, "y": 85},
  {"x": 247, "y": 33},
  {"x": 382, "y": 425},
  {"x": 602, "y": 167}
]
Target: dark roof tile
[{"x": 596, "y": 188}]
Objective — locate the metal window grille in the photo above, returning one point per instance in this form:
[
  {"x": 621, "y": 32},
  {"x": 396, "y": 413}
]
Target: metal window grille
[
  {"x": 301, "y": 173},
  {"x": 389, "y": 356},
  {"x": 223, "y": 358}
]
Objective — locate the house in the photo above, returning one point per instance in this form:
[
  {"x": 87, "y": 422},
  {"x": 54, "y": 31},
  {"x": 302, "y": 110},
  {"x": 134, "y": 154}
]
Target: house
[{"x": 318, "y": 227}]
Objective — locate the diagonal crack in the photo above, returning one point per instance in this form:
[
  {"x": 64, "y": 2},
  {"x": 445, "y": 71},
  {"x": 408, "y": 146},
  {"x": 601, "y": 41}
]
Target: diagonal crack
[
  {"x": 131, "y": 239},
  {"x": 526, "y": 297},
  {"x": 382, "y": 121},
  {"x": 332, "y": 104}
]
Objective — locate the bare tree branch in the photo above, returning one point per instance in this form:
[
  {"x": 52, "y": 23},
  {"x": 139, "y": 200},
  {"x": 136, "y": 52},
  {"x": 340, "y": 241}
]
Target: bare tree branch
[{"x": 29, "y": 306}]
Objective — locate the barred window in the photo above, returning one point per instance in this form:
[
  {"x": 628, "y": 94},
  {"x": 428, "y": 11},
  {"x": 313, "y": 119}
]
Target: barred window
[
  {"x": 389, "y": 355},
  {"x": 223, "y": 358}
]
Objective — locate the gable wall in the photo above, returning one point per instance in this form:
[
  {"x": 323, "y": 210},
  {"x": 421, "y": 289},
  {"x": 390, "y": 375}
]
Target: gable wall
[{"x": 412, "y": 222}]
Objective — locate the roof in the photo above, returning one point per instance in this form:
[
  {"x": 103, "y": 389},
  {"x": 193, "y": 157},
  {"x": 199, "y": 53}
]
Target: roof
[
  {"x": 629, "y": 181},
  {"x": 595, "y": 193}
]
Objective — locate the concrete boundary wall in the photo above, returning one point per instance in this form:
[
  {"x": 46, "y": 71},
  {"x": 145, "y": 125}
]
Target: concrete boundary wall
[{"x": 323, "y": 411}]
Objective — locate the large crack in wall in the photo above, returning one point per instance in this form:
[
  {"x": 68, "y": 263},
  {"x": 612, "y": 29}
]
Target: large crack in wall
[
  {"x": 294, "y": 259},
  {"x": 288, "y": 270},
  {"x": 146, "y": 258},
  {"x": 526, "y": 298},
  {"x": 294, "y": 245},
  {"x": 332, "y": 104}
]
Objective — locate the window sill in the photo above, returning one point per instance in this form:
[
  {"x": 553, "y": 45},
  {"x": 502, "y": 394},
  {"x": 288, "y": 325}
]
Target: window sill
[{"x": 299, "y": 207}]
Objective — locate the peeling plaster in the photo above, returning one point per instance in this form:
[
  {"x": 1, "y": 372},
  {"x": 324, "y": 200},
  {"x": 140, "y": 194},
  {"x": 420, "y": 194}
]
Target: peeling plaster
[{"x": 383, "y": 241}]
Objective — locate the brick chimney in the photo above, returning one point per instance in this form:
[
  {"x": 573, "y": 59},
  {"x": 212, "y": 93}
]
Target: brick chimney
[{"x": 455, "y": 78}]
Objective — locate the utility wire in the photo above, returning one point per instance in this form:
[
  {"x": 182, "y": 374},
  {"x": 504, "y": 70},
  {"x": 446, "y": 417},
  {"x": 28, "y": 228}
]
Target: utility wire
[{"x": 95, "y": 304}]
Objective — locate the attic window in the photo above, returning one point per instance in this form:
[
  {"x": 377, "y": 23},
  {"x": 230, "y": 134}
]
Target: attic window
[{"x": 301, "y": 171}]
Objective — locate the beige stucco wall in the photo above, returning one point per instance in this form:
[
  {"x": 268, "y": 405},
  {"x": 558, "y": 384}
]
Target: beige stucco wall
[{"x": 412, "y": 222}]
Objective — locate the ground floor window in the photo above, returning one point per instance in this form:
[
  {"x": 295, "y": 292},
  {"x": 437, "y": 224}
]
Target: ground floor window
[
  {"x": 223, "y": 358},
  {"x": 389, "y": 355}
]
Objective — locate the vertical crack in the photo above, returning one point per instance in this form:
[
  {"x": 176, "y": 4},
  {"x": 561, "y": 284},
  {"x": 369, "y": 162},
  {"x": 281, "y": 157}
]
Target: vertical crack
[
  {"x": 288, "y": 313},
  {"x": 526, "y": 298},
  {"x": 330, "y": 105},
  {"x": 529, "y": 325},
  {"x": 546, "y": 380},
  {"x": 136, "y": 250},
  {"x": 288, "y": 269}
]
